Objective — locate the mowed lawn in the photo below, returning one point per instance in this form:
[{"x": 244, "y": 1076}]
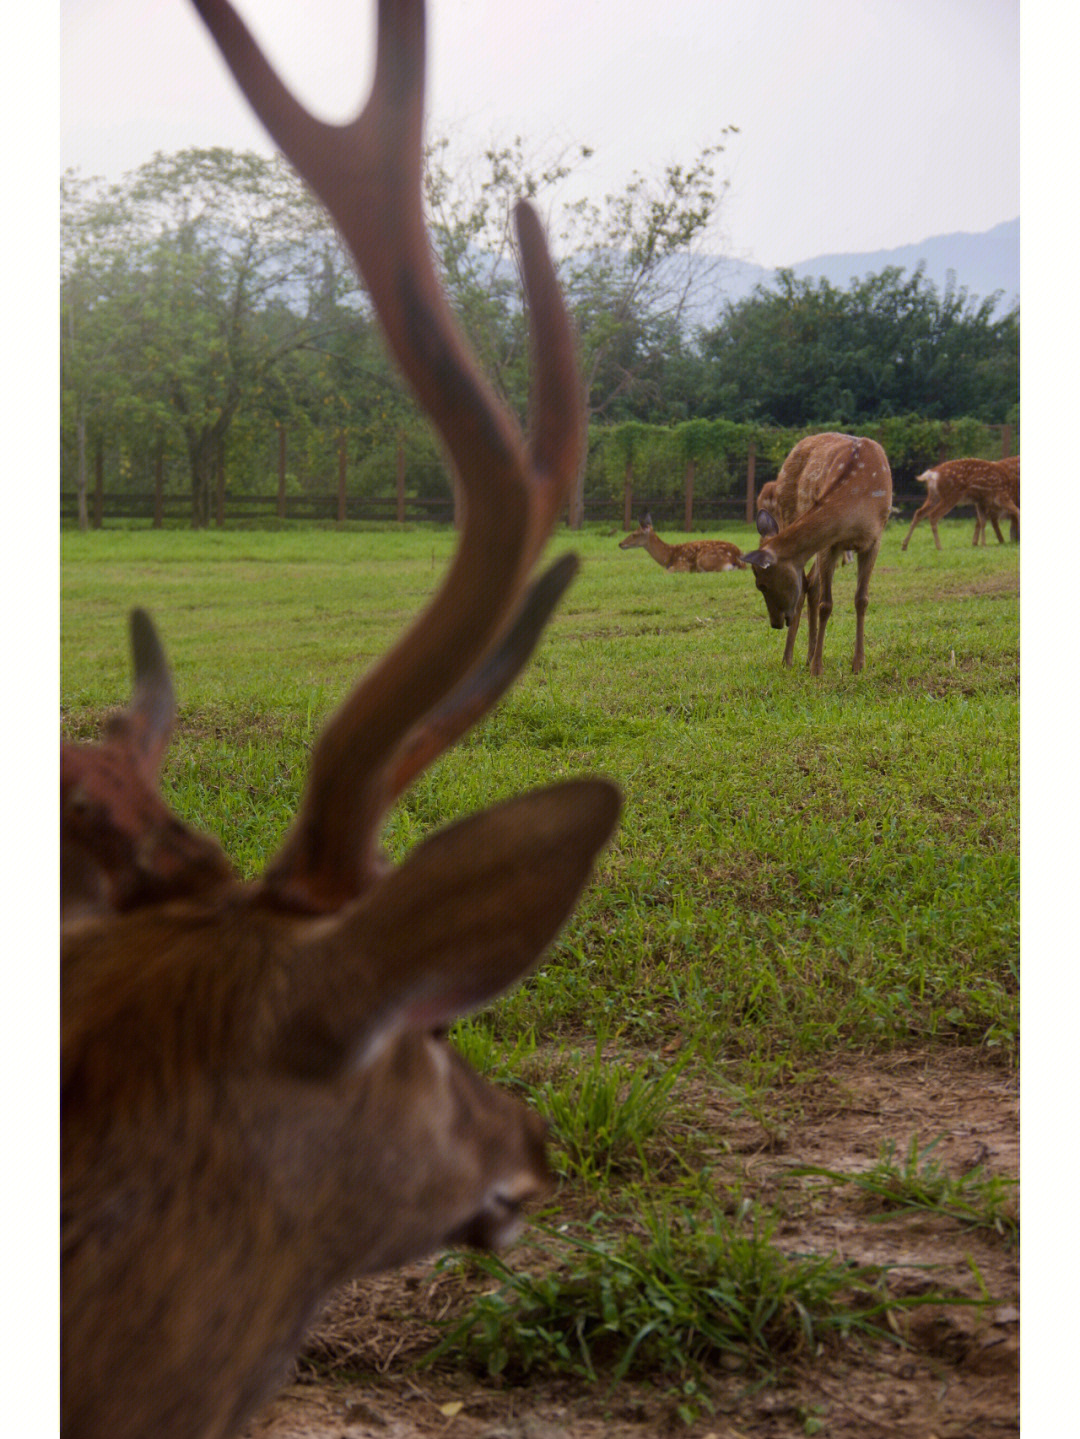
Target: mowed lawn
[{"x": 802, "y": 864}]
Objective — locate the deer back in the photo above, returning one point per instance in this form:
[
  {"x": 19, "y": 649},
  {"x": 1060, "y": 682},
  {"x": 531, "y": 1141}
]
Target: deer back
[{"x": 833, "y": 493}]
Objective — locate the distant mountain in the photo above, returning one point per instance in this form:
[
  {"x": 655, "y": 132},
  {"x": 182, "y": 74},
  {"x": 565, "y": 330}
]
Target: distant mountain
[{"x": 982, "y": 263}]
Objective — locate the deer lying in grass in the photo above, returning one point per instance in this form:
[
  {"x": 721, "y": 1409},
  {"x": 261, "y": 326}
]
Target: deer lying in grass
[
  {"x": 693, "y": 557},
  {"x": 839, "y": 490},
  {"x": 257, "y": 1102},
  {"x": 992, "y": 486}
]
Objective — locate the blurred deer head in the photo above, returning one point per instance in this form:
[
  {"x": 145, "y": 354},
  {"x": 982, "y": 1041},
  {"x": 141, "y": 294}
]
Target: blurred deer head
[{"x": 257, "y": 1100}]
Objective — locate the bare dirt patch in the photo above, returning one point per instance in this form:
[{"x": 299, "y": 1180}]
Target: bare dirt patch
[{"x": 951, "y": 1372}]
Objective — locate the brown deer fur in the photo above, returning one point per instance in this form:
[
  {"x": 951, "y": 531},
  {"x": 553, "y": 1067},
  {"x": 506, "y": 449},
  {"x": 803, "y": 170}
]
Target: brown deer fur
[
  {"x": 992, "y": 486},
  {"x": 257, "y": 1100},
  {"x": 839, "y": 488},
  {"x": 693, "y": 557}
]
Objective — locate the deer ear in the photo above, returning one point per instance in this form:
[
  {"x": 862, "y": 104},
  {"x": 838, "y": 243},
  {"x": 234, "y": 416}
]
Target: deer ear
[
  {"x": 152, "y": 712},
  {"x": 760, "y": 559},
  {"x": 766, "y": 524},
  {"x": 466, "y": 915}
]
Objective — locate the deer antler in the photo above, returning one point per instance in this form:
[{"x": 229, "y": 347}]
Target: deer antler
[{"x": 368, "y": 174}]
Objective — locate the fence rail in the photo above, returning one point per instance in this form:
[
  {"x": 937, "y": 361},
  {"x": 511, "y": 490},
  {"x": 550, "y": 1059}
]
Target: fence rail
[{"x": 259, "y": 509}]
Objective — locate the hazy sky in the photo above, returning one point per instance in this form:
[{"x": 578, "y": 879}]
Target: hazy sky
[{"x": 863, "y": 123}]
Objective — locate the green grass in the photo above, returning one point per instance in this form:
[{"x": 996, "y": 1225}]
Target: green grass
[
  {"x": 801, "y": 863},
  {"x": 922, "y": 1184},
  {"x": 689, "y": 1285},
  {"x": 803, "y": 866}
]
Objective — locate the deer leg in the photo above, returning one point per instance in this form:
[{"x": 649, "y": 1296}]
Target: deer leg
[
  {"x": 979, "y": 537},
  {"x": 867, "y": 560},
  {"x": 997, "y": 529},
  {"x": 793, "y": 627},
  {"x": 813, "y": 590},
  {"x": 823, "y": 569},
  {"x": 924, "y": 511}
]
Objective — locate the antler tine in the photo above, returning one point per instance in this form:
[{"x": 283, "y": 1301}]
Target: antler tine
[
  {"x": 368, "y": 174},
  {"x": 480, "y": 690}
]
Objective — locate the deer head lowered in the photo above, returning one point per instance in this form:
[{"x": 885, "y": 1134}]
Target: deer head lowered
[
  {"x": 833, "y": 493},
  {"x": 257, "y": 1102}
]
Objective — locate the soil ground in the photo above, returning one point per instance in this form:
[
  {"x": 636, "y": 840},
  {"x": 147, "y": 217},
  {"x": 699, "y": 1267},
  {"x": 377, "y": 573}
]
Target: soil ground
[{"x": 951, "y": 1374}]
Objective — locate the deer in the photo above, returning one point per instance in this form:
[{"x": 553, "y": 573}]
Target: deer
[
  {"x": 988, "y": 508},
  {"x": 838, "y": 488},
  {"x": 259, "y": 1100},
  {"x": 992, "y": 486},
  {"x": 693, "y": 557}
]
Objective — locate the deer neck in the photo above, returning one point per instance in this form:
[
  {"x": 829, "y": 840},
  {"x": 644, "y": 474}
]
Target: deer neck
[
  {"x": 662, "y": 553},
  {"x": 818, "y": 529}
]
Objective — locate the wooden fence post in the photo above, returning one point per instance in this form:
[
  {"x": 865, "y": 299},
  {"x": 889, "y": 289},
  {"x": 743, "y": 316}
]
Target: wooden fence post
[
  {"x": 688, "y": 512},
  {"x": 1006, "y": 441},
  {"x": 401, "y": 477},
  {"x": 281, "y": 472},
  {"x": 159, "y": 485},
  {"x": 628, "y": 498},
  {"x": 343, "y": 452},
  {"x": 751, "y": 466}
]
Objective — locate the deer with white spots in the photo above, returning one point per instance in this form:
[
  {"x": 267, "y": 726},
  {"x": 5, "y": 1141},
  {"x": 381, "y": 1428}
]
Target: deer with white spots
[
  {"x": 692, "y": 557},
  {"x": 992, "y": 486},
  {"x": 833, "y": 493},
  {"x": 258, "y": 1098}
]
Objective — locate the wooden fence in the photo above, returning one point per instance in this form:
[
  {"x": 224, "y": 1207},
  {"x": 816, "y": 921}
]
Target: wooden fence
[{"x": 157, "y": 507}]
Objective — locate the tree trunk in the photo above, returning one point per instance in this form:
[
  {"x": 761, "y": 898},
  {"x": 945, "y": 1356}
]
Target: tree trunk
[
  {"x": 219, "y": 477},
  {"x": 343, "y": 458},
  {"x": 99, "y": 484},
  {"x": 281, "y": 473},
  {"x": 401, "y": 477},
  {"x": 80, "y": 470},
  {"x": 159, "y": 484}
]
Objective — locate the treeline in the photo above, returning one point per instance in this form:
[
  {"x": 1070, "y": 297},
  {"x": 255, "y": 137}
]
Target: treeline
[{"x": 215, "y": 338}]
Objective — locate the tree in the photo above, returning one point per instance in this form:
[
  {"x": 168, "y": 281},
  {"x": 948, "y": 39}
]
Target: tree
[
  {"x": 805, "y": 352},
  {"x": 628, "y": 266},
  {"x": 217, "y": 259}
]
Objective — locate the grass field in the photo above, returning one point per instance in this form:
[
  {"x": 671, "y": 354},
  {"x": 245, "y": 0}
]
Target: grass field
[{"x": 806, "y": 871}]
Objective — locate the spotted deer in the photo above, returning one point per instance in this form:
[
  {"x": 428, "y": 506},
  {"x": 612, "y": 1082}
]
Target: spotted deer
[
  {"x": 838, "y": 491},
  {"x": 258, "y": 1098},
  {"x": 992, "y": 486},
  {"x": 987, "y": 506},
  {"x": 693, "y": 557}
]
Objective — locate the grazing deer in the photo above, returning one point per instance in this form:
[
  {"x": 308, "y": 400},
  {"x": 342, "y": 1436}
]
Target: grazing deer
[
  {"x": 257, "y": 1100},
  {"x": 988, "y": 508},
  {"x": 771, "y": 503},
  {"x": 992, "y": 486},
  {"x": 693, "y": 557},
  {"x": 839, "y": 488}
]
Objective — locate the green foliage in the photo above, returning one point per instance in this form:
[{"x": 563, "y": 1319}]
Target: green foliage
[
  {"x": 605, "y": 1114},
  {"x": 207, "y": 307},
  {"x": 805, "y": 352}
]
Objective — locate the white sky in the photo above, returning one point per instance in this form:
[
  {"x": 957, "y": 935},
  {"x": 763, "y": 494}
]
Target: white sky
[{"x": 864, "y": 124}]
